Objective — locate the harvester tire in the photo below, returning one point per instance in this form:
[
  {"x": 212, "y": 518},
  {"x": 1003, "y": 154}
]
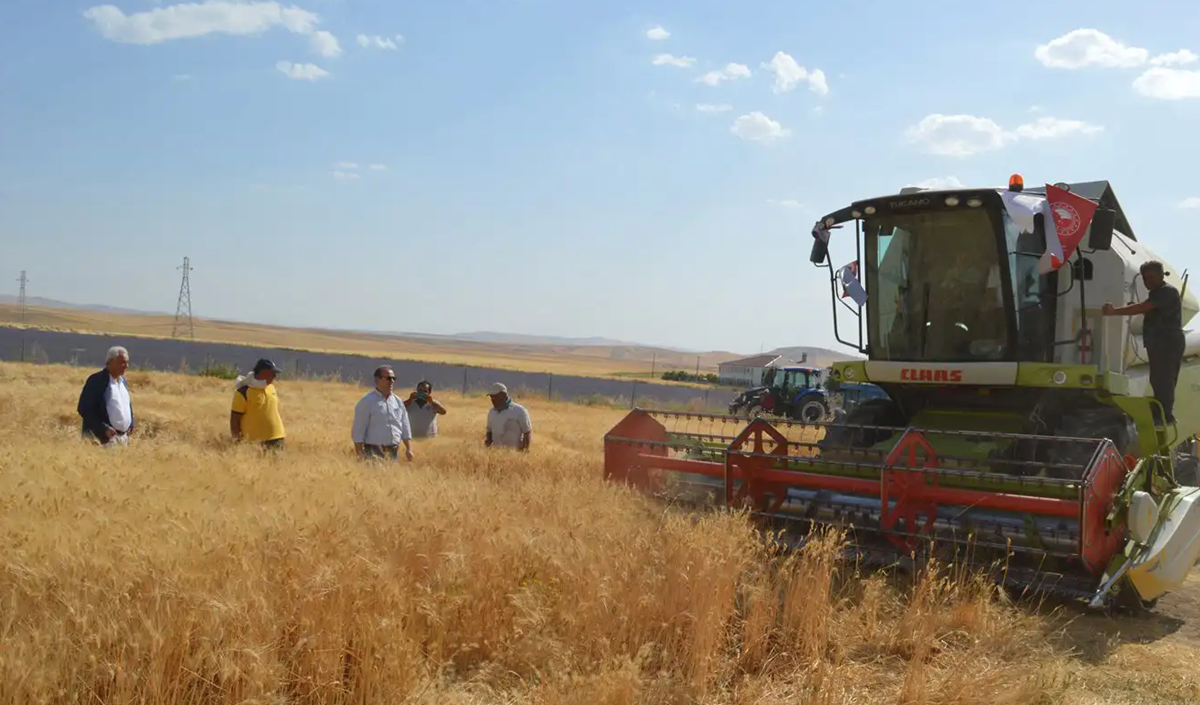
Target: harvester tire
[
  {"x": 872, "y": 412},
  {"x": 1092, "y": 422},
  {"x": 1187, "y": 470}
]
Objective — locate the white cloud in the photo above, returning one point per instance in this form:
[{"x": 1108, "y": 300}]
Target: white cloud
[
  {"x": 757, "y": 127},
  {"x": 967, "y": 135},
  {"x": 657, "y": 33},
  {"x": 711, "y": 108},
  {"x": 1182, "y": 57},
  {"x": 940, "y": 182},
  {"x": 181, "y": 77},
  {"x": 345, "y": 176},
  {"x": 731, "y": 72},
  {"x": 1191, "y": 202},
  {"x": 788, "y": 74},
  {"x": 346, "y": 166},
  {"x": 378, "y": 167},
  {"x": 817, "y": 83},
  {"x": 378, "y": 42},
  {"x": 325, "y": 44},
  {"x": 785, "y": 203},
  {"x": 190, "y": 20},
  {"x": 1168, "y": 84},
  {"x": 1051, "y": 127},
  {"x": 301, "y": 72},
  {"x": 1089, "y": 47},
  {"x": 957, "y": 135},
  {"x": 672, "y": 60}
]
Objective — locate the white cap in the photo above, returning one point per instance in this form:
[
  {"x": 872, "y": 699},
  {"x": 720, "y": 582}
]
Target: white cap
[{"x": 498, "y": 388}]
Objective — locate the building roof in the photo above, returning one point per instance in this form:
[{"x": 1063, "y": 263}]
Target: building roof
[{"x": 752, "y": 361}]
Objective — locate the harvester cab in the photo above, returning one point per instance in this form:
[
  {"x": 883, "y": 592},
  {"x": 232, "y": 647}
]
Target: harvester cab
[{"x": 1016, "y": 421}]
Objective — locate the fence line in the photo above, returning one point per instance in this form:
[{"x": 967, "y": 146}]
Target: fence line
[{"x": 85, "y": 349}]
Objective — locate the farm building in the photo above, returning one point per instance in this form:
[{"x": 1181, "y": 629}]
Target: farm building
[{"x": 748, "y": 371}]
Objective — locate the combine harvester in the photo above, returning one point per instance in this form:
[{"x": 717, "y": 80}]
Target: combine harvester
[{"x": 1019, "y": 432}]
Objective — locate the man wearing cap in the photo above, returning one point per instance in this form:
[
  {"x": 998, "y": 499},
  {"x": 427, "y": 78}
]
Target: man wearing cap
[
  {"x": 1162, "y": 333},
  {"x": 508, "y": 423},
  {"x": 381, "y": 421},
  {"x": 254, "y": 416}
]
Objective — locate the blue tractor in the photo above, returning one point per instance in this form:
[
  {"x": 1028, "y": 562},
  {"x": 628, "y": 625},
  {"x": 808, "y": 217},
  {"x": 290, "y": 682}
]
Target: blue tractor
[{"x": 805, "y": 394}]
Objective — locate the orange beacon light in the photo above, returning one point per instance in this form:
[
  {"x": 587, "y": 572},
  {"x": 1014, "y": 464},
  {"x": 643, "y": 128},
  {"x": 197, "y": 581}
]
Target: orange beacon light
[{"x": 1016, "y": 183}]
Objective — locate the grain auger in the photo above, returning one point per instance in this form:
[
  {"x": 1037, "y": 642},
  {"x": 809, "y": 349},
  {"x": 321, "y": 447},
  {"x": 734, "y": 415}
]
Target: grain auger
[{"x": 1018, "y": 432}]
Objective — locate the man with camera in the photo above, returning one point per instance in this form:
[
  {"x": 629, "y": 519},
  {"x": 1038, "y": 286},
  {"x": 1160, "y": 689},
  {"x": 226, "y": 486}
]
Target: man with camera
[{"x": 423, "y": 411}]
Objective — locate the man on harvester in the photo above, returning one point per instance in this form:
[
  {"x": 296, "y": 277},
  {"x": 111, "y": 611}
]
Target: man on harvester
[{"x": 1162, "y": 333}]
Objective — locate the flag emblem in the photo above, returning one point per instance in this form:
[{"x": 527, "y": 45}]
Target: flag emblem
[{"x": 1066, "y": 219}]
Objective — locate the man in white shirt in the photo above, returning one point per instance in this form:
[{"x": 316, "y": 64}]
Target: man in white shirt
[
  {"x": 104, "y": 405},
  {"x": 381, "y": 422},
  {"x": 508, "y": 423}
]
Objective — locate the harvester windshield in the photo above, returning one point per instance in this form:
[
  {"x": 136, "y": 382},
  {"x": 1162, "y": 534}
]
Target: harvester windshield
[
  {"x": 953, "y": 284},
  {"x": 936, "y": 286}
]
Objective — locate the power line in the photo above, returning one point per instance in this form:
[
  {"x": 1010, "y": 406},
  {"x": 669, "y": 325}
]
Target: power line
[
  {"x": 23, "y": 280},
  {"x": 184, "y": 308}
]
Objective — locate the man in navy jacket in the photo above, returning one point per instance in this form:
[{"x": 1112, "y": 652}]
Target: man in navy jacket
[{"x": 104, "y": 404}]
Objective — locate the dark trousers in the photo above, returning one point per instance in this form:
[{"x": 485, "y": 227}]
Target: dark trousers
[
  {"x": 383, "y": 452},
  {"x": 1166, "y": 356}
]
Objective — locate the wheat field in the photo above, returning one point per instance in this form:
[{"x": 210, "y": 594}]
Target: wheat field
[{"x": 184, "y": 570}]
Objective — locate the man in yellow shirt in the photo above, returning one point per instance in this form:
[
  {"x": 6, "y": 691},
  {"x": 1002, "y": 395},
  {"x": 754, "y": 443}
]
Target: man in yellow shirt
[{"x": 254, "y": 416}]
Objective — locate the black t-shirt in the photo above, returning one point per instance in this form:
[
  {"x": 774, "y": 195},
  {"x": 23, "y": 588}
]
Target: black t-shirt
[{"x": 1164, "y": 322}]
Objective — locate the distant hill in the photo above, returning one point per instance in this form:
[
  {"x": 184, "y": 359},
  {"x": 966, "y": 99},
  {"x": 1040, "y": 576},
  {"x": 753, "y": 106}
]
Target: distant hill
[
  {"x": 620, "y": 349},
  {"x": 38, "y": 301},
  {"x": 523, "y": 339},
  {"x": 816, "y": 356}
]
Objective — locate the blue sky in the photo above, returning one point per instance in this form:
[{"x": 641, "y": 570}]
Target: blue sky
[{"x": 531, "y": 166}]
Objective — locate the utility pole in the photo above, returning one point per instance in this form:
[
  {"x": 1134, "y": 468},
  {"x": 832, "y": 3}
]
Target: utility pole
[
  {"x": 653, "y": 360},
  {"x": 183, "y": 310},
  {"x": 23, "y": 280}
]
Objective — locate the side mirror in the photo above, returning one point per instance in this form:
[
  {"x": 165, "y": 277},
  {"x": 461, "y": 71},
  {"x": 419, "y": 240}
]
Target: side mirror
[
  {"x": 1102, "y": 229},
  {"x": 1039, "y": 230},
  {"x": 819, "y": 252}
]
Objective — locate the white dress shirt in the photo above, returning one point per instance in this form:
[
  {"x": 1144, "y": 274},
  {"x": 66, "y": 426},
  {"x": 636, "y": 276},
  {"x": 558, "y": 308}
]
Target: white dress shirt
[
  {"x": 379, "y": 421},
  {"x": 116, "y": 398}
]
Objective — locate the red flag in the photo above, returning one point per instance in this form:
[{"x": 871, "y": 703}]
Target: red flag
[{"x": 1072, "y": 216}]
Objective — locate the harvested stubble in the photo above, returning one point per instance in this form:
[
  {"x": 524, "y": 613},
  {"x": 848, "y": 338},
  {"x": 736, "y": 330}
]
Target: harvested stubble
[{"x": 181, "y": 570}]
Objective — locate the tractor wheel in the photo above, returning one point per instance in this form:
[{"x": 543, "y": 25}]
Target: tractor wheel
[
  {"x": 753, "y": 411},
  {"x": 811, "y": 409}
]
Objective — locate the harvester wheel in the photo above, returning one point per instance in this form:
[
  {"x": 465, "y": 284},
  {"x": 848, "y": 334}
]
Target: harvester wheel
[
  {"x": 1187, "y": 465},
  {"x": 872, "y": 412},
  {"x": 1093, "y": 422}
]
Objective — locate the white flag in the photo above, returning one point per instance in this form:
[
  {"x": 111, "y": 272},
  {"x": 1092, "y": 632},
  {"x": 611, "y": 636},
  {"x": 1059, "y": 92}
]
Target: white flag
[
  {"x": 850, "y": 284},
  {"x": 1021, "y": 208}
]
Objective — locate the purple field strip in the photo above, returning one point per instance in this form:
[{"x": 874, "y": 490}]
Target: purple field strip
[{"x": 87, "y": 350}]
